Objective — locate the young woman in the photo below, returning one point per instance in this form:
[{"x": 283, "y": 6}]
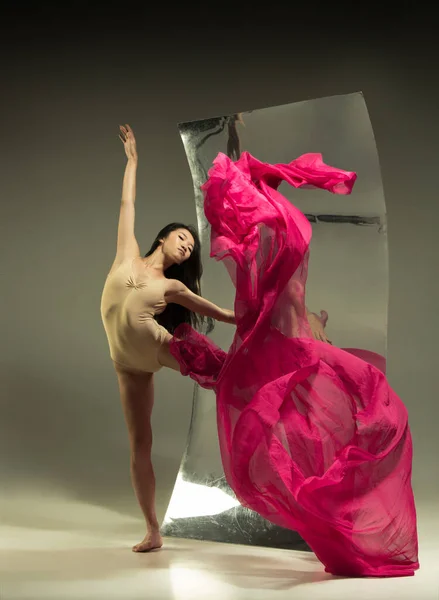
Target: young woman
[{"x": 144, "y": 300}]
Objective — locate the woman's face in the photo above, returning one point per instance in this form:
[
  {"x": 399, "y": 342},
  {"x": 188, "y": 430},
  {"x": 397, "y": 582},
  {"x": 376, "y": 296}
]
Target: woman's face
[{"x": 178, "y": 245}]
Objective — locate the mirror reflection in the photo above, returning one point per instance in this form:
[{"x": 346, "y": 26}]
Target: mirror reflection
[{"x": 347, "y": 281}]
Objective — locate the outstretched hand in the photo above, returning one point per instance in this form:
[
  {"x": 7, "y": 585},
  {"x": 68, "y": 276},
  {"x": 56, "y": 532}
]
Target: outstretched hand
[
  {"x": 239, "y": 119},
  {"x": 318, "y": 324},
  {"x": 129, "y": 141}
]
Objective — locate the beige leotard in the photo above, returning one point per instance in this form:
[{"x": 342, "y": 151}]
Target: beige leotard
[{"x": 127, "y": 309}]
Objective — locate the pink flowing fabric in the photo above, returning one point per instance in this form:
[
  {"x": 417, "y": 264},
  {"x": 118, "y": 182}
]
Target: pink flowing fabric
[{"x": 311, "y": 436}]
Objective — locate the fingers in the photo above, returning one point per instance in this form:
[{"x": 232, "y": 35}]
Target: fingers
[
  {"x": 125, "y": 133},
  {"x": 321, "y": 337},
  {"x": 239, "y": 119}
]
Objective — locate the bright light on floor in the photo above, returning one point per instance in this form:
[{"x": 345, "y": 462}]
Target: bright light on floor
[{"x": 194, "y": 500}]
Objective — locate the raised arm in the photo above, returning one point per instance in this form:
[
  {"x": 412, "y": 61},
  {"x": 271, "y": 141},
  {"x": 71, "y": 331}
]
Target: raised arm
[
  {"x": 127, "y": 245},
  {"x": 178, "y": 293}
]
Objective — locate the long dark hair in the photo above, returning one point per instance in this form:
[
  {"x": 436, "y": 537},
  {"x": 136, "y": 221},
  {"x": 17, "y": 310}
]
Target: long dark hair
[{"x": 188, "y": 272}]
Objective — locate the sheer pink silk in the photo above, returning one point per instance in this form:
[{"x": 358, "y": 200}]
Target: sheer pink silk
[{"x": 311, "y": 436}]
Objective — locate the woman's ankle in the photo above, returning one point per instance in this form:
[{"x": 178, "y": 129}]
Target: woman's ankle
[{"x": 153, "y": 527}]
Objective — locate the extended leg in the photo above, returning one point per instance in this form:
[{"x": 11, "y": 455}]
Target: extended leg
[{"x": 137, "y": 395}]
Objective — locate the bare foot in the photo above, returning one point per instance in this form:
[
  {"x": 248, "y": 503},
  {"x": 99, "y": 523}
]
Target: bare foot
[{"x": 151, "y": 541}]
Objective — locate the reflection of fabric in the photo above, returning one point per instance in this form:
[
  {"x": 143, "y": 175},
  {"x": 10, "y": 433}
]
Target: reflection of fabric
[{"x": 311, "y": 436}]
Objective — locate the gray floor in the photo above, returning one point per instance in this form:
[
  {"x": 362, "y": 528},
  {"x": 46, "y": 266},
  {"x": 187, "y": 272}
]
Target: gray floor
[{"x": 91, "y": 559}]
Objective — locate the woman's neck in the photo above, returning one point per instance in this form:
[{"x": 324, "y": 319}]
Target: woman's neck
[{"x": 157, "y": 262}]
